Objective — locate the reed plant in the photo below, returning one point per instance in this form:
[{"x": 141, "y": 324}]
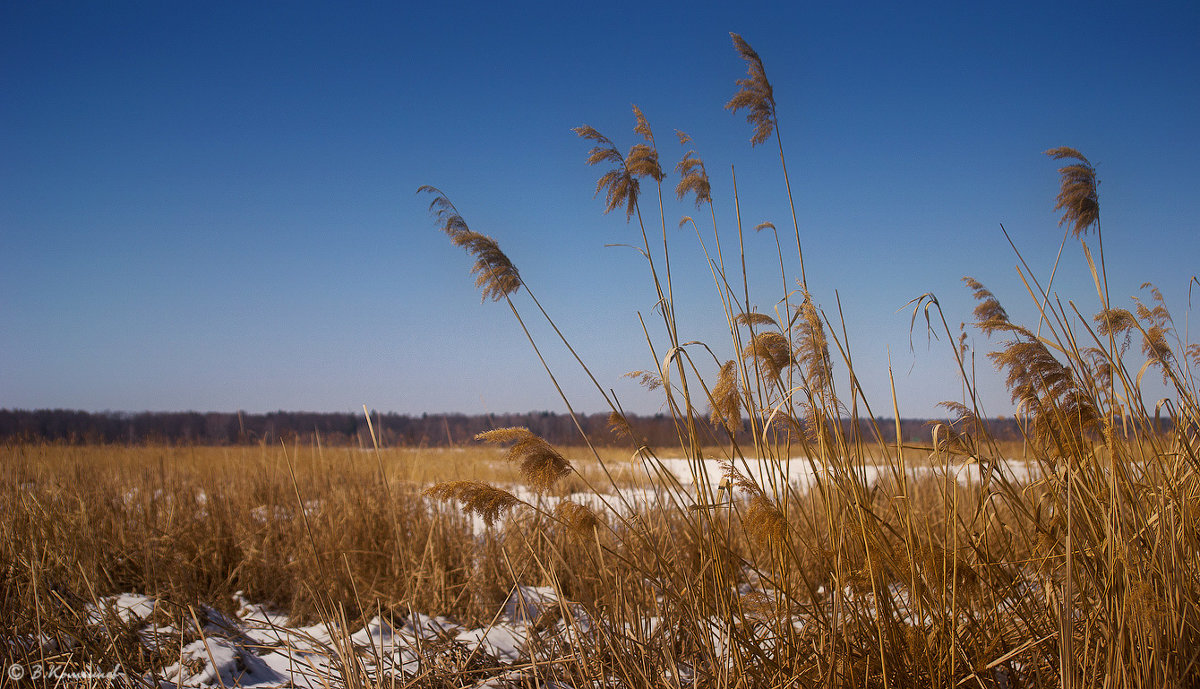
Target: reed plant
[{"x": 1082, "y": 569}]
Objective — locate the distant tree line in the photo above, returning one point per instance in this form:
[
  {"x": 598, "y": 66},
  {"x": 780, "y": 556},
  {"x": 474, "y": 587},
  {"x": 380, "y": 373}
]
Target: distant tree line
[{"x": 431, "y": 430}]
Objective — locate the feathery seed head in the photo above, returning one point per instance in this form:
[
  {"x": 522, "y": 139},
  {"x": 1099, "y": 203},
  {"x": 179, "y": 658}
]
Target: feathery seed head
[
  {"x": 731, "y": 477},
  {"x": 964, "y": 417},
  {"x": 772, "y": 351},
  {"x": 727, "y": 403},
  {"x": 447, "y": 215},
  {"x": 756, "y": 93},
  {"x": 642, "y": 161},
  {"x": 539, "y": 463},
  {"x": 1100, "y": 364},
  {"x": 619, "y": 425},
  {"x": 1158, "y": 315},
  {"x": 494, "y": 273},
  {"x": 754, "y": 318},
  {"x": 1156, "y": 348},
  {"x": 619, "y": 185},
  {"x": 578, "y": 518},
  {"x": 961, "y": 431},
  {"x": 643, "y": 126},
  {"x": 1114, "y": 321},
  {"x": 504, "y": 435},
  {"x": 1045, "y": 389},
  {"x": 1077, "y": 197},
  {"x": 693, "y": 179},
  {"x": 475, "y": 497},
  {"x": 590, "y": 133},
  {"x": 764, "y": 522},
  {"x": 650, "y": 381},
  {"x": 812, "y": 347},
  {"x": 990, "y": 316}
]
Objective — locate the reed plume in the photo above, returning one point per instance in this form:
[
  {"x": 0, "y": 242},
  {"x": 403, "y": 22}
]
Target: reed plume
[
  {"x": 647, "y": 379},
  {"x": 772, "y": 351},
  {"x": 578, "y": 518},
  {"x": 755, "y": 94},
  {"x": 812, "y": 347},
  {"x": 1046, "y": 390},
  {"x": 619, "y": 425},
  {"x": 754, "y": 318},
  {"x": 964, "y": 418},
  {"x": 1077, "y": 197},
  {"x": 475, "y": 497},
  {"x": 1115, "y": 322},
  {"x": 990, "y": 316},
  {"x": 693, "y": 177},
  {"x": 642, "y": 159},
  {"x": 732, "y": 478},
  {"x": 764, "y": 521},
  {"x": 618, "y": 184},
  {"x": 726, "y": 402},
  {"x": 1156, "y": 315},
  {"x": 1156, "y": 348},
  {"x": 964, "y": 426},
  {"x": 1039, "y": 384},
  {"x": 539, "y": 463},
  {"x": 1100, "y": 364},
  {"x": 495, "y": 274},
  {"x": 1158, "y": 325}
]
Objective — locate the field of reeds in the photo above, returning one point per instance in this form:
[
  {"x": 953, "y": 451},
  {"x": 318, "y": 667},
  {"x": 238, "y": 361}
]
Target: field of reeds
[{"x": 772, "y": 546}]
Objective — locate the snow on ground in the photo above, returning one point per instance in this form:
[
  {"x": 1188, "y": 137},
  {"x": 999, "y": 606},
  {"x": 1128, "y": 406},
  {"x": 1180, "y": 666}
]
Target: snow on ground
[
  {"x": 803, "y": 474},
  {"x": 259, "y": 647},
  {"x": 673, "y": 481}
]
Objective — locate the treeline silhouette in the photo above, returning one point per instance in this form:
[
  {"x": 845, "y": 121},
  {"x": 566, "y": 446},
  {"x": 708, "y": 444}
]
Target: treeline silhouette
[{"x": 429, "y": 430}]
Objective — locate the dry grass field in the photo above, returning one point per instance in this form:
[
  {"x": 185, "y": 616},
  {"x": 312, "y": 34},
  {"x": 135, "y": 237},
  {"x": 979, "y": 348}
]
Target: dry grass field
[{"x": 1071, "y": 559}]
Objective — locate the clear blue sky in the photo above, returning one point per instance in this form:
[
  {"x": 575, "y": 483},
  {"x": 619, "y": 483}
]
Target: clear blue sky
[{"x": 211, "y": 206}]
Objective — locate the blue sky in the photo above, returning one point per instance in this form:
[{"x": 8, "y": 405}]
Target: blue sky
[{"x": 212, "y": 206}]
